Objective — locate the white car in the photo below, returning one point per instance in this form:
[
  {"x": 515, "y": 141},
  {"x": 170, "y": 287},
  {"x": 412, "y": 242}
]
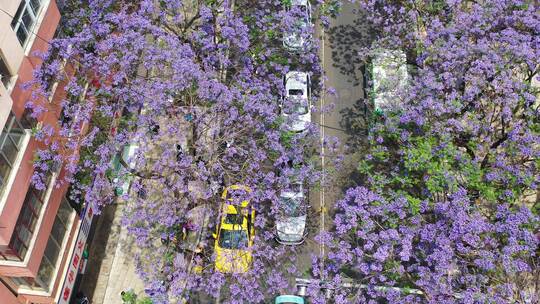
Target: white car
[
  {"x": 291, "y": 223},
  {"x": 297, "y": 100},
  {"x": 295, "y": 37},
  {"x": 386, "y": 78}
]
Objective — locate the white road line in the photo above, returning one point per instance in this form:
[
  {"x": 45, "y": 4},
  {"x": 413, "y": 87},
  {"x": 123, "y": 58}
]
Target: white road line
[{"x": 321, "y": 193}]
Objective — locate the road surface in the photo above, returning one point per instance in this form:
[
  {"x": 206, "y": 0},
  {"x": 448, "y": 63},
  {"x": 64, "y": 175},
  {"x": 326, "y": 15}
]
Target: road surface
[{"x": 339, "y": 46}]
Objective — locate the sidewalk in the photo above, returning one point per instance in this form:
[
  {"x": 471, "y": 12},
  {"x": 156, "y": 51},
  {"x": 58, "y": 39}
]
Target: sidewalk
[{"x": 111, "y": 268}]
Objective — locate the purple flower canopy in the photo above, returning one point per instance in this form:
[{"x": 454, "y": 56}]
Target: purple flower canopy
[
  {"x": 193, "y": 90},
  {"x": 445, "y": 215},
  {"x": 168, "y": 102}
]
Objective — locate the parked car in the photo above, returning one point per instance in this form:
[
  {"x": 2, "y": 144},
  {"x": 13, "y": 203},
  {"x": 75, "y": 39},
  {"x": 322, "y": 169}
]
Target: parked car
[
  {"x": 294, "y": 37},
  {"x": 235, "y": 232},
  {"x": 289, "y": 299},
  {"x": 291, "y": 223},
  {"x": 297, "y": 100},
  {"x": 386, "y": 75}
]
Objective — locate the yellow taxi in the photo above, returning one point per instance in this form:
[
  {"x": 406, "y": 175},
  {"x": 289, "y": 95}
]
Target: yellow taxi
[{"x": 235, "y": 232}]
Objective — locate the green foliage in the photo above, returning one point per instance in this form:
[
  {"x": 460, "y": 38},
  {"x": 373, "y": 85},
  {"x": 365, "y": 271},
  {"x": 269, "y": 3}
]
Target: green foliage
[
  {"x": 277, "y": 122},
  {"x": 435, "y": 7},
  {"x": 433, "y": 158},
  {"x": 145, "y": 300},
  {"x": 475, "y": 181},
  {"x": 331, "y": 8},
  {"x": 365, "y": 167},
  {"x": 414, "y": 204},
  {"x": 169, "y": 257},
  {"x": 102, "y": 122},
  {"x": 286, "y": 138},
  {"x": 130, "y": 297},
  {"x": 279, "y": 59},
  {"x": 271, "y": 34},
  {"x": 286, "y": 2},
  {"x": 431, "y": 163},
  {"x": 391, "y": 270}
]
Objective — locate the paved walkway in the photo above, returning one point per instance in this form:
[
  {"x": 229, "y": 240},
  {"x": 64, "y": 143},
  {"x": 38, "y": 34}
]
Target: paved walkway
[{"x": 110, "y": 267}]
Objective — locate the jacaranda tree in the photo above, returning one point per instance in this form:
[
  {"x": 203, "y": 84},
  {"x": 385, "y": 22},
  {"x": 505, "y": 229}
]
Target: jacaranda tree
[
  {"x": 445, "y": 213},
  {"x": 194, "y": 88}
]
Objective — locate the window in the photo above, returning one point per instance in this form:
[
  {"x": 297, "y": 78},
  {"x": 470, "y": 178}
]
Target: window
[
  {"x": 11, "y": 140},
  {"x": 298, "y": 106},
  {"x": 53, "y": 251},
  {"x": 18, "y": 281},
  {"x": 292, "y": 206},
  {"x": 296, "y": 92},
  {"x": 25, "y": 226},
  {"x": 234, "y": 219},
  {"x": 54, "y": 245},
  {"x": 5, "y": 75},
  {"x": 25, "y": 19}
]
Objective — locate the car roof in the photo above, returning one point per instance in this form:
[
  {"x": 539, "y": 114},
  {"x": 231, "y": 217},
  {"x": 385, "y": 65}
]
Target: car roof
[
  {"x": 230, "y": 209},
  {"x": 296, "y": 75}
]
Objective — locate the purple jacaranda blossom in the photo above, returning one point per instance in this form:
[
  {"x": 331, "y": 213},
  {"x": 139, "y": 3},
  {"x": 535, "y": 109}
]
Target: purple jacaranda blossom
[
  {"x": 456, "y": 160},
  {"x": 195, "y": 91}
]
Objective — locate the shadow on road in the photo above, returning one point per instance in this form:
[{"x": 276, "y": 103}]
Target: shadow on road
[
  {"x": 347, "y": 43},
  {"x": 98, "y": 250},
  {"x": 354, "y": 122}
]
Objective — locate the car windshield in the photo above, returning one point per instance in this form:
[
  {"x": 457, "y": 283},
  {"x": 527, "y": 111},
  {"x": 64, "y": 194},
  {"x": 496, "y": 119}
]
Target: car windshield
[
  {"x": 233, "y": 239},
  {"x": 234, "y": 219},
  {"x": 237, "y": 195},
  {"x": 295, "y": 92}
]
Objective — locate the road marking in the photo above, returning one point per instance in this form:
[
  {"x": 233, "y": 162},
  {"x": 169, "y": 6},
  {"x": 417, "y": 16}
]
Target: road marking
[{"x": 321, "y": 193}]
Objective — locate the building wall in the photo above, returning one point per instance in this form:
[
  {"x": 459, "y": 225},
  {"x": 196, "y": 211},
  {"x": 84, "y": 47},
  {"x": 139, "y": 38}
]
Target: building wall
[
  {"x": 12, "y": 52},
  {"x": 7, "y": 294},
  {"x": 21, "y": 63},
  {"x": 8, "y": 214},
  {"x": 5, "y": 105}
]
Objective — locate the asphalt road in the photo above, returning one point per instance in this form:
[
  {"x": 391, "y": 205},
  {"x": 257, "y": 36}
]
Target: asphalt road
[{"x": 337, "y": 115}]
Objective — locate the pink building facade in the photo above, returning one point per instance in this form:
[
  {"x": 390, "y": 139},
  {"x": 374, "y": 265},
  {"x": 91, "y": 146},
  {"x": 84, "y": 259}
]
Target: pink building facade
[{"x": 38, "y": 228}]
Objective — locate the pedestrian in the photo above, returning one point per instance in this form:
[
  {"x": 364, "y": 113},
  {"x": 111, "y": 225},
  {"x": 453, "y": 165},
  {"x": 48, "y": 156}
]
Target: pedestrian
[{"x": 81, "y": 298}]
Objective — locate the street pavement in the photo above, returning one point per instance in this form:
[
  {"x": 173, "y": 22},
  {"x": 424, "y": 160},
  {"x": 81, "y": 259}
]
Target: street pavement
[
  {"x": 111, "y": 268},
  {"x": 339, "y": 45}
]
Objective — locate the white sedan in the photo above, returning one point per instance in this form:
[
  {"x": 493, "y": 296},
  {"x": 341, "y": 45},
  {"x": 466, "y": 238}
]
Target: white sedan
[
  {"x": 296, "y": 35},
  {"x": 297, "y": 100},
  {"x": 291, "y": 223}
]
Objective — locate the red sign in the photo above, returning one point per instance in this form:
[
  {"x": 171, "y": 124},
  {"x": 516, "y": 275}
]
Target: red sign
[{"x": 75, "y": 263}]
